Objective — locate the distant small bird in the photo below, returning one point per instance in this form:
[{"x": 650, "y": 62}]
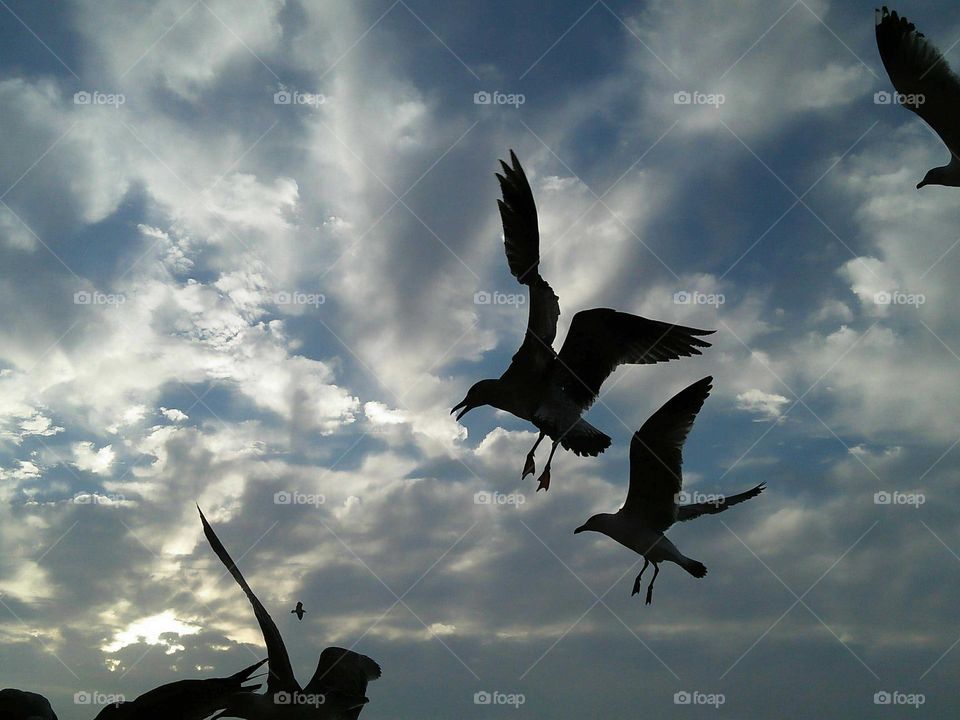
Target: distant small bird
[
  {"x": 299, "y": 611},
  {"x": 549, "y": 389},
  {"x": 24, "y": 705},
  {"x": 655, "y": 480},
  {"x": 925, "y": 84},
  {"x": 337, "y": 690},
  {"x": 184, "y": 699}
]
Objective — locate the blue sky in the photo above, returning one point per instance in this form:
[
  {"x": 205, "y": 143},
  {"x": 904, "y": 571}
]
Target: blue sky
[{"x": 188, "y": 205}]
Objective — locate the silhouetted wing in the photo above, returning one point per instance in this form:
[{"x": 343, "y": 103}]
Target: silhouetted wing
[
  {"x": 656, "y": 457},
  {"x": 601, "y": 339},
  {"x": 521, "y": 239},
  {"x": 518, "y": 212},
  {"x": 916, "y": 68},
  {"x": 536, "y": 353},
  {"x": 689, "y": 512},
  {"x": 281, "y": 677}
]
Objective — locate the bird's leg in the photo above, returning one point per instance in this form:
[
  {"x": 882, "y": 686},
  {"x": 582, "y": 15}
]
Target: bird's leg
[
  {"x": 636, "y": 583},
  {"x": 529, "y": 467},
  {"x": 656, "y": 571},
  {"x": 544, "y": 478}
]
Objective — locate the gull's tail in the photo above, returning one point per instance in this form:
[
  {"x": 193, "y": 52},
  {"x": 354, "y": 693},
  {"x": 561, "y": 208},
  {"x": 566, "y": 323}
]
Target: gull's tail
[{"x": 694, "y": 567}]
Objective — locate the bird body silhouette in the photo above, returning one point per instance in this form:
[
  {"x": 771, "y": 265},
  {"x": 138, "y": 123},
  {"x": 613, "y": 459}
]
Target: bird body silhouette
[
  {"x": 299, "y": 611},
  {"x": 651, "y": 506},
  {"x": 552, "y": 390},
  {"x": 337, "y": 690},
  {"x": 925, "y": 84}
]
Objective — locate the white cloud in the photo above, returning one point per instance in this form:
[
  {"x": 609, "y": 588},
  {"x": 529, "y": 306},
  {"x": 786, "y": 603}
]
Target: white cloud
[{"x": 768, "y": 406}]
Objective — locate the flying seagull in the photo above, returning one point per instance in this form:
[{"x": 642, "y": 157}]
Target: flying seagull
[
  {"x": 184, "y": 699},
  {"x": 299, "y": 611},
  {"x": 549, "y": 389},
  {"x": 655, "y": 480},
  {"x": 337, "y": 689},
  {"x": 925, "y": 84}
]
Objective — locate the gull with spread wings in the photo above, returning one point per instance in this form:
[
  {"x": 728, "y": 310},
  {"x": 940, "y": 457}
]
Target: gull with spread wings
[
  {"x": 924, "y": 84},
  {"x": 655, "y": 481},
  {"x": 552, "y": 390},
  {"x": 337, "y": 690}
]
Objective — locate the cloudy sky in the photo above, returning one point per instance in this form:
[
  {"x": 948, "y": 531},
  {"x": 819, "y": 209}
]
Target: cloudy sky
[{"x": 242, "y": 246}]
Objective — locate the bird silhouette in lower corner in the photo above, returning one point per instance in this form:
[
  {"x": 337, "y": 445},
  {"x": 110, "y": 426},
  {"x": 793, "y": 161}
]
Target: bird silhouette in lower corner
[
  {"x": 651, "y": 506},
  {"x": 337, "y": 690},
  {"x": 299, "y": 611}
]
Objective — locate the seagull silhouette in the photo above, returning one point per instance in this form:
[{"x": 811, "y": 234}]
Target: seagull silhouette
[
  {"x": 338, "y": 686},
  {"x": 184, "y": 699},
  {"x": 927, "y": 86},
  {"x": 549, "y": 389},
  {"x": 655, "y": 480},
  {"x": 299, "y": 611}
]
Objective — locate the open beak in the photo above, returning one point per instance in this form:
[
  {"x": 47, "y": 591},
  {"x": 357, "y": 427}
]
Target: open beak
[{"x": 464, "y": 411}]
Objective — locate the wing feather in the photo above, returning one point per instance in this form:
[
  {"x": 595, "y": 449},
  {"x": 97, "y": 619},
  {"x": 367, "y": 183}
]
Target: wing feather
[
  {"x": 600, "y": 340},
  {"x": 656, "y": 457},
  {"x": 281, "y": 677},
  {"x": 919, "y": 71}
]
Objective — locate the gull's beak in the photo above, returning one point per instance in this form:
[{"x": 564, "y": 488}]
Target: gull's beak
[
  {"x": 464, "y": 411},
  {"x": 921, "y": 184},
  {"x": 580, "y": 529}
]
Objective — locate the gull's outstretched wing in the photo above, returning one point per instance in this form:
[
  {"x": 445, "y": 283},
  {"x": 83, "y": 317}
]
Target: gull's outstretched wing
[
  {"x": 919, "y": 71},
  {"x": 521, "y": 239},
  {"x": 599, "y": 340},
  {"x": 656, "y": 457},
  {"x": 518, "y": 212},
  {"x": 281, "y": 677},
  {"x": 695, "y": 510}
]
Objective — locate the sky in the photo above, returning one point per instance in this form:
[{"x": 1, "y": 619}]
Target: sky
[{"x": 250, "y": 257}]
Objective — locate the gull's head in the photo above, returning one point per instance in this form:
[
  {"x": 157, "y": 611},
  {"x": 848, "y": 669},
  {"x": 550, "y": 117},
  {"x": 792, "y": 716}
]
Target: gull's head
[
  {"x": 480, "y": 394},
  {"x": 948, "y": 175},
  {"x": 597, "y": 523},
  {"x": 929, "y": 179}
]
